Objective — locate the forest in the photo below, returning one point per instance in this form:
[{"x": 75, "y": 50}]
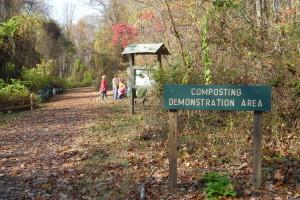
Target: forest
[{"x": 211, "y": 42}]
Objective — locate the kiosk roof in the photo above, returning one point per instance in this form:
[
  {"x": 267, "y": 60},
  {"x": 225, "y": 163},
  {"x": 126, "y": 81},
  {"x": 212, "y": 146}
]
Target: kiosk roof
[{"x": 154, "y": 48}]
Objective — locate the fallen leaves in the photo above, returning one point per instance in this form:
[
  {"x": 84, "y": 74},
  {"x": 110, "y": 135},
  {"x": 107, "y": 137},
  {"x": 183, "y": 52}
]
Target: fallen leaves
[{"x": 78, "y": 148}]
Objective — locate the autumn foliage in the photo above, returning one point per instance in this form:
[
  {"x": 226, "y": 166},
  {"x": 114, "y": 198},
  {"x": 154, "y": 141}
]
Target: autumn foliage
[
  {"x": 147, "y": 15},
  {"x": 123, "y": 34}
]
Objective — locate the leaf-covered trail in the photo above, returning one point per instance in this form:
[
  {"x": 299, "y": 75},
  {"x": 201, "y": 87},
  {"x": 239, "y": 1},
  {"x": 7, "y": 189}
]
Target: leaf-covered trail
[
  {"x": 36, "y": 147},
  {"x": 77, "y": 147}
]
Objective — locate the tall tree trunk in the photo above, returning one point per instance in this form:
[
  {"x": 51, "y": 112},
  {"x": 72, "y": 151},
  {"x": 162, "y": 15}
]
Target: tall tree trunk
[
  {"x": 276, "y": 9},
  {"x": 292, "y": 7},
  {"x": 259, "y": 10}
]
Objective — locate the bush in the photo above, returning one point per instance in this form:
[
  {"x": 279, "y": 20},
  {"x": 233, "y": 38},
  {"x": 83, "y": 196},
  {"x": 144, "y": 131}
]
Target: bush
[
  {"x": 14, "y": 94},
  {"x": 41, "y": 76},
  {"x": 80, "y": 77},
  {"x": 217, "y": 186},
  {"x": 35, "y": 79},
  {"x": 87, "y": 79},
  {"x": 78, "y": 71},
  {"x": 2, "y": 84},
  {"x": 141, "y": 92},
  {"x": 16, "y": 89},
  {"x": 171, "y": 75},
  {"x": 70, "y": 83},
  {"x": 58, "y": 82}
]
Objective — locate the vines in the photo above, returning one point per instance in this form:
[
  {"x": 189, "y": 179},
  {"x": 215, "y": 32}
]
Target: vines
[
  {"x": 206, "y": 60},
  {"x": 212, "y": 13}
]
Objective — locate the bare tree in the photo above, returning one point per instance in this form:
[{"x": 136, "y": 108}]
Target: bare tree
[
  {"x": 9, "y": 8},
  {"x": 100, "y": 5},
  {"x": 68, "y": 18},
  {"x": 36, "y": 6}
]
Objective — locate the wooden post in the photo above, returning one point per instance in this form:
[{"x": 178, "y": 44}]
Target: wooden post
[
  {"x": 31, "y": 101},
  {"x": 132, "y": 100},
  {"x": 159, "y": 59},
  {"x": 257, "y": 145},
  {"x": 132, "y": 92},
  {"x": 173, "y": 148},
  {"x": 132, "y": 60}
]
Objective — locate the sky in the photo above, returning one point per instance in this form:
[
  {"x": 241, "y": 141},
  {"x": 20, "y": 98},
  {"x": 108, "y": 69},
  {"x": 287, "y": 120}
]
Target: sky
[{"x": 81, "y": 9}]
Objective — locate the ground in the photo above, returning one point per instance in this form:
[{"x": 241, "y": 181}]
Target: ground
[{"x": 80, "y": 147}]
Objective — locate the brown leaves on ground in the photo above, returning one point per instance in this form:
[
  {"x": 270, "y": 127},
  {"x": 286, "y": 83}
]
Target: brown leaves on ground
[{"x": 77, "y": 147}]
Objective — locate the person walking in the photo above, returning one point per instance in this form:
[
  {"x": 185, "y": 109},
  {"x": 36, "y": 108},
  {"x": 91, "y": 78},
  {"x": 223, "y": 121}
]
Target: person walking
[
  {"x": 115, "y": 84},
  {"x": 103, "y": 87}
]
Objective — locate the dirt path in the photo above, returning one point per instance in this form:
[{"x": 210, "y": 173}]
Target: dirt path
[
  {"x": 75, "y": 147},
  {"x": 36, "y": 147}
]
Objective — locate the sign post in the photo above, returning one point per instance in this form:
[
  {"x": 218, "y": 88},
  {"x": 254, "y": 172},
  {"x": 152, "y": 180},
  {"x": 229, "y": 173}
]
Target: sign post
[
  {"x": 173, "y": 148},
  {"x": 217, "y": 97},
  {"x": 257, "y": 136}
]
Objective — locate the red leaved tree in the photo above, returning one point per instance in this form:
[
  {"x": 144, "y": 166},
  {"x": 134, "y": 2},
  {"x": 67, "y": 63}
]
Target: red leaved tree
[
  {"x": 123, "y": 34},
  {"x": 147, "y": 15}
]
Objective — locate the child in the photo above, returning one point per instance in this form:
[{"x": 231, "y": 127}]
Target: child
[
  {"x": 122, "y": 89},
  {"x": 103, "y": 87},
  {"x": 115, "y": 83}
]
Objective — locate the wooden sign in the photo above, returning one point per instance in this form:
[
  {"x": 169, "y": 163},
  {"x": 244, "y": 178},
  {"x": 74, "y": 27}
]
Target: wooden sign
[{"x": 217, "y": 97}]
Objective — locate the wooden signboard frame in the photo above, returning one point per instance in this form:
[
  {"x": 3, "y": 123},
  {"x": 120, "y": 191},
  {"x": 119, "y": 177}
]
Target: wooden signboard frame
[{"x": 158, "y": 49}]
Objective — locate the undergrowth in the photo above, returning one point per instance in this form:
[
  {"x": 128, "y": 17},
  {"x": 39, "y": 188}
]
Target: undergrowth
[{"x": 218, "y": 186}]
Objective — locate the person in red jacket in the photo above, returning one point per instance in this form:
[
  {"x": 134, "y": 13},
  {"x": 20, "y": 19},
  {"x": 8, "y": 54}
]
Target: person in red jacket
[{"x": 103, "y": 87}]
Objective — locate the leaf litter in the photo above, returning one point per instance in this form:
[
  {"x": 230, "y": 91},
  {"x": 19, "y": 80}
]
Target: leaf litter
[{"x": 77, "y": 147}]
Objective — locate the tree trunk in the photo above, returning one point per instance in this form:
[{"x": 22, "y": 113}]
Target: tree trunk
[
  {"x": 259, "y": 12},
  {"x": 292, "y": 7},
  {"x": 276, "y": 9}
]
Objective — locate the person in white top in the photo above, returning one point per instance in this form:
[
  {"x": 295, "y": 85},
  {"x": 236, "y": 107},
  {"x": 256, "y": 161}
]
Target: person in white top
[{"x": 115, "y": 84}]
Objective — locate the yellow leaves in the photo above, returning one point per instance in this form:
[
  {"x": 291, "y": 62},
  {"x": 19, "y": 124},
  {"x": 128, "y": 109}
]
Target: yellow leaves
[
  {"x": 103, "y": 42},
  {"x": 29, "y": 24}
]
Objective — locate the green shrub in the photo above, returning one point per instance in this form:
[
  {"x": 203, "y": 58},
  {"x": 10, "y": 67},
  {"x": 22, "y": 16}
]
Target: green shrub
[
  {"x": 87, "y": 79},
  {"x": 141, "y": 92},
  {"x": 78, "y": 71},
  {"x": 40, "y": 77},
  {"x": 218, "y": 186},
  {"x": 35, "y": 79},
  {"x": 2, "y": 84},
  {"x": 80, "y": 76},
  {"x": 8, "y": 28},
  {"x": 171, "y": 75},
  {"x": 14, "y": 92},
  {"x": 70, "y": 83},
  {"x": 58, "y": 82}
]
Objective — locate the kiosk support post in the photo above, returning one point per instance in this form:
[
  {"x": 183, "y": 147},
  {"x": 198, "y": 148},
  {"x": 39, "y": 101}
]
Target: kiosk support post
[{"x": 132, "y": 90}]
